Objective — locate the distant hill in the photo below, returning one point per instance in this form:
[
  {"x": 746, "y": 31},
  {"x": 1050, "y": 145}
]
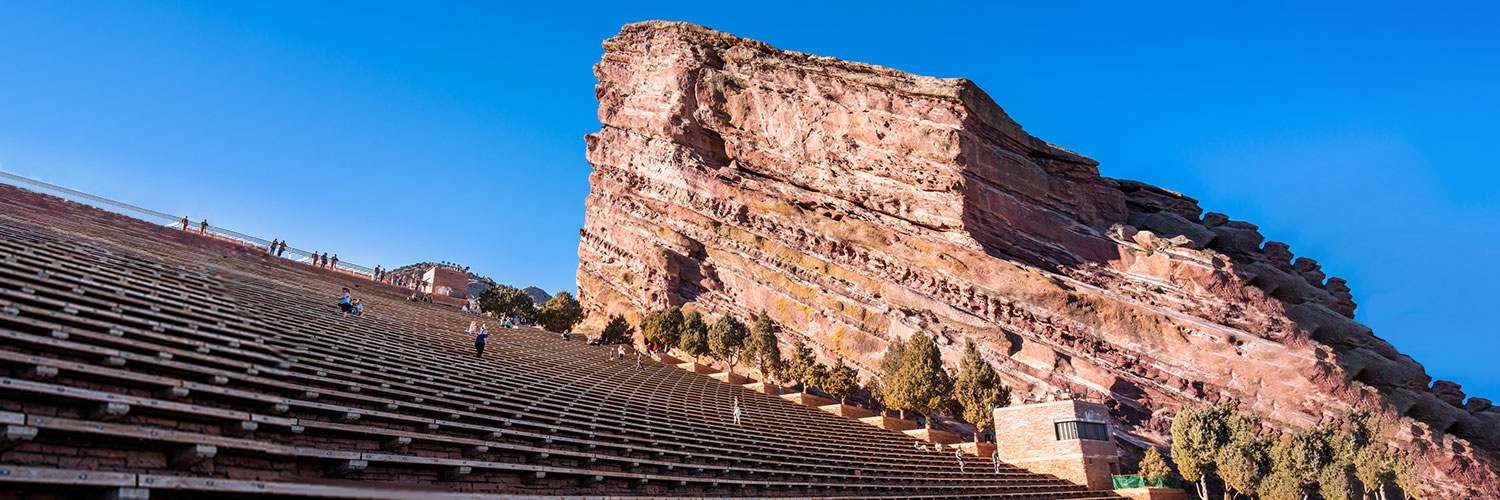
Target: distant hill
[
  {"x": 477, "y": 284},
  {"x": 537, "y": 295}
]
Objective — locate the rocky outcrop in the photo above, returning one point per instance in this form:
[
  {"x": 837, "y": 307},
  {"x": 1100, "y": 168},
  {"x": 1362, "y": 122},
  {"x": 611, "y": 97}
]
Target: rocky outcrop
[{"x": 857, "y": 204}]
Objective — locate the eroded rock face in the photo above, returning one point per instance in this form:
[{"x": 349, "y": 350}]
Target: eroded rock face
[{"x": 857, "y": 204}]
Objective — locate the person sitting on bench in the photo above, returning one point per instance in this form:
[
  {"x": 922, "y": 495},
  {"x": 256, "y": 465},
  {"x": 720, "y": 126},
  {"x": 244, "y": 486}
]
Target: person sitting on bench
[{"x": 346, "y": 302}]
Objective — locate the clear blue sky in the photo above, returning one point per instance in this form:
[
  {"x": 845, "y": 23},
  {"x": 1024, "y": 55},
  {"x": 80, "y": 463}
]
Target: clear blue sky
[{"x": 1363, "y": 134}]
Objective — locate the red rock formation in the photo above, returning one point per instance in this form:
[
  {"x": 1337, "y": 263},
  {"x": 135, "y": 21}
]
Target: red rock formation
[{"x": 857, "y": 204}]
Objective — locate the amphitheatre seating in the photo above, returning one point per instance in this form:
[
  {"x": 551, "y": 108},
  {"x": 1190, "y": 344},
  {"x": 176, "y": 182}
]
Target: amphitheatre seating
[{"x": 145, "y": 362}]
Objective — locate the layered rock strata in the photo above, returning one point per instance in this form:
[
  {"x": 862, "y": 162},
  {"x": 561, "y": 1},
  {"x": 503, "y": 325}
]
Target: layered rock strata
[{"x": 857, "y": 204}]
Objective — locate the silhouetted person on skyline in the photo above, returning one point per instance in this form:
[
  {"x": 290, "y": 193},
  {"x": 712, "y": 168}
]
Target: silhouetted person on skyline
[
  {"x": 335, "y": 262},
  {"x": 272, "y": 249},
  {"x": 203, "y": 227},
  {"x": 281, "y": 248}
]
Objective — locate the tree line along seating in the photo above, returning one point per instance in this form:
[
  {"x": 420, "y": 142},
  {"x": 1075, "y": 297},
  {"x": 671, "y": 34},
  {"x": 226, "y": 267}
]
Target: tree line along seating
[{"x": 140, "y": 363}]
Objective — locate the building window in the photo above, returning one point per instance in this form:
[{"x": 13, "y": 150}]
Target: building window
[{"x": 1067, "y": 431}]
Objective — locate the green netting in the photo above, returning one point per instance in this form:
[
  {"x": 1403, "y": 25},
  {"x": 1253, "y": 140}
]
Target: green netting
[{"x": 1134, "y": 481}]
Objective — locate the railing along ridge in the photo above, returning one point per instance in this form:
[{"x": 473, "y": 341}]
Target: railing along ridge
[{"x": 148, "y": 215}]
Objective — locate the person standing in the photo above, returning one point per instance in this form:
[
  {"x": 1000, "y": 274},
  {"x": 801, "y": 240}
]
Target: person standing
[
  {"x": 272, "y": 249},
  {"x": 995, "y": 457},
  {"x": 281, "y": 248},
  {"x": 325, "y": 260},
  {"x": 203, "y": 228},
  {"x": 184, "y": 223},
  {"x": 335, "y": 262},
  {"x": 958, "y": 453},
  {"x": 736, "y": 410},
  {"x": 640, "y": 362}
]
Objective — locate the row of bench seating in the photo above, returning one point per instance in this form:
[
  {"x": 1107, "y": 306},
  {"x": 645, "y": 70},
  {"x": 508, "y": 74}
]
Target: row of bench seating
[{"x": 164, "y": 366}]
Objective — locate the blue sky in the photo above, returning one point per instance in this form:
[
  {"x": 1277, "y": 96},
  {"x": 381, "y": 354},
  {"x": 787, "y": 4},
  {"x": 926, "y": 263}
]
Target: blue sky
[{"x": 1361, "y": 133}]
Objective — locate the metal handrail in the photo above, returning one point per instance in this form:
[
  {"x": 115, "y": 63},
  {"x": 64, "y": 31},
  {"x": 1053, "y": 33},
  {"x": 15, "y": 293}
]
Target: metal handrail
[{"x": 172, "y": 220}]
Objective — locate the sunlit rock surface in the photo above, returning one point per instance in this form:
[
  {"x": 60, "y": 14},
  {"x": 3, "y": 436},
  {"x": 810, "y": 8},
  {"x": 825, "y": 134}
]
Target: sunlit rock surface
[{"x": 857, "y": 204}]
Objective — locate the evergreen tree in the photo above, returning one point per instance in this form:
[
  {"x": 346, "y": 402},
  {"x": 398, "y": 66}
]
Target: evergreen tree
[
  {"x": 663, "y": 327},
  {"x": 1280, "y": 485},
  {"x": 895, "y": 356},
  {"x": 1406, "y": 476},
  {"x": 1243, "y": 462},
  {"x": 726, "y": 338},
  {"x": 693, "y": 340},
  {"x": 1374, "y": 469},
  {"x": 761, "y": 348},
  {"x": 842, "y": 381},
  {"x": 921, "y": 384},
  {"x": 1301, "y": 457},
  {"x": 507, "y": 301},
  {"x": 1197, "y": 435},
  {"x": 617, "y": 331},
  {"x": 561, "y": 313},
  {"x": 978, "y": 390},
  {"x": 817, "y": 375},
  {"x": 877, "y": 394},
  {"x": 799, "y": 367},
  {"x": 1336, "y": 482},
  {"x": 1153, "y": 468},
  {"x": 890, "y": 365}
]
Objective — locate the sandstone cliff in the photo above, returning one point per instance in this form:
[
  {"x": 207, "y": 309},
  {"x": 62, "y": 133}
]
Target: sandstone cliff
[{"x": 858, "y": 204}]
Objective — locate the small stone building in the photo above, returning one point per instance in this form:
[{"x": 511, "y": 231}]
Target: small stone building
[
  {"x": 1071, "y": 439},
  {"x": 446, "y": 285}
]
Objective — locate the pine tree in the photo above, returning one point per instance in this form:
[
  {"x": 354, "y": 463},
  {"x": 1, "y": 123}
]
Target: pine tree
[
  {"x": 1374, "y": 468},
  {"x": 561, "y": 313},
  {"x": 890, "y": 365},
  {"x": 761, "y": 348},
  {"x": 663, "y": 327},
  {"x": 799, "y": 367},
  {"x": 978, "y": 390},
  {"x": 507, "y": 301},
  {"x": 1153, "y": 468},
  {"x": 842, "y": 381},
  {"x": 693, "y": 340},
  {"x": 1301, "y": 457},
  {"x": 817, "y": 375},
  {"x": 1407, "y": 476},
  {"x": 726, "y": 338},
  {"x": 1197, "y": 435},
  {"x": 921, "y": 384},
  {"x": 1243, "y": 462},
  {"x": 617, "y": 331}
]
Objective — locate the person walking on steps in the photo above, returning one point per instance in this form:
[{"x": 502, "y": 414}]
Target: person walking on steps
[
  {"x": 995, "y": 457},
  {"x": 640, "y": 362},
  {"x": 958, "y": 453},
  {"x": 325, "y": 260},
  {"x": 736, "y": 410},
  {"x": 479, "y": 342},
  {"x": 335, "y": 262}
]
